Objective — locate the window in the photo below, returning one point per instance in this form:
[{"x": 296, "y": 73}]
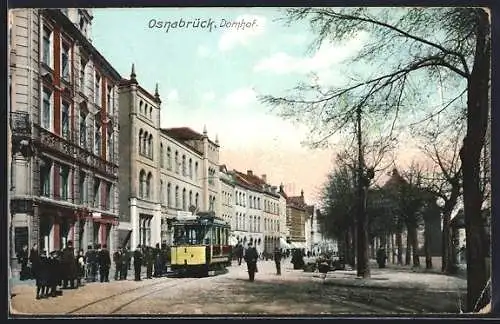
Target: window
[
  {"x": 161, "y": 192},
  {"x": 184, "y": 165},
  {"x": 150, "y": 146},
  {"x": 141, "y": 144},
  {"x": 97, "y": 89},
  {"x": 83, "y": 130},
  {"x": 45, "y": 177},
  {"x": 196, "y": 200},
  {"x": 149, "y": 182},
  {"x": 82, "y": 187},
  {"x": 162, "y": 159},
  {"x": 169, "y": 158},
  {"x": 184, "y": 202},
  {"x": 169, "y": 199},
  {"x": 176, "y": 162},
  {"x": 65, "y": 61},
  {"x": 190, "y": 198},
  {"x": 47, "y": 109},
  {"x": 150, "y": 112},
  {"x": 109, "y": 100},
  {"x": 177, "y": 202},
  {"x": 196, "y": 171},
  {"x": 142, "y": 184},
  {"x": 97, "y": 135},
  {"x": 83, "y": 65},
  {"x": 65, "y": 120},
  {"x": 140, "y": 106},
  {"x": 97, "y": 196},
  {"x": 64, "y": 176},
  {"x": 110, "y": 151},
  {"x": 109, "y": 197},
  {"x": 47, "y": 47},
  {"x": 190, "y": 169}
]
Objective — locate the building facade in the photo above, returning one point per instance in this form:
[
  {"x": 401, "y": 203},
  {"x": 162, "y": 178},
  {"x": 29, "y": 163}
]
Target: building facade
[
  {"x": 298, "y": 212},
  {"x": 163, "y": 172},
  {"x": 226, "y": 200},
  {"x": 63, "y": 121}
]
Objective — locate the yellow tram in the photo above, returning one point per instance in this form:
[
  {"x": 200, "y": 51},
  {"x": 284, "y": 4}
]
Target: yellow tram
[{"x": 200, "y": 244}]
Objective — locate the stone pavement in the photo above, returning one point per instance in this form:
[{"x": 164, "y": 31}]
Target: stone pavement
[{"x": 294, "y": 292}]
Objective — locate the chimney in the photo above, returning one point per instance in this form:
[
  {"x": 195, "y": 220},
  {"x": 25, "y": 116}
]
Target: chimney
[
  {"x": 264, "y": 178},
  {"x": 273, "y": 189},
  {"x": 249, "y": 173}
]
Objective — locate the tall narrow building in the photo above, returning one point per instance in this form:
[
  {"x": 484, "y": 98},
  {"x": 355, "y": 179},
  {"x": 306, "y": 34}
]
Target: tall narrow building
[{"x": 64, "y": 128}]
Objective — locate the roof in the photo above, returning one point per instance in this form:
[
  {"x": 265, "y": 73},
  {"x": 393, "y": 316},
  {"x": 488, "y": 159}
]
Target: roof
[
  {"x": 297, "y": 202},
  {"x": 126, "y": 82},
  {"x": 185, "y": 134},
  {"x": 253, "y": 182}
]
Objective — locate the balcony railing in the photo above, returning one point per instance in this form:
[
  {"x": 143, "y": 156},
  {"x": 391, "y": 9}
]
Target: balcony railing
[
  {"x": 69, "y": 149},
  {"x": 20, "y": 123}
]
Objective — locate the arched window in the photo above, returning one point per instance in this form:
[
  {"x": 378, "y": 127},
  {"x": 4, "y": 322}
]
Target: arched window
[
  {"x": 184, "y": 165},
  {"x": 150, "y": 112},
  {"x": 169, "y": 197},
  {"x": 190, "y": 198},
  {"x": 141, "y": 143},
  {"x": 184, "y": 202},
  {"x": 190, "y": 171},
  {"x": 142, "y": 183},
  {"x": 169, "y": 158},
  {"x": 196, "y": 171},
  {"x": 177, "y": 202},
  {"x": 145, "y": 143},
  {"x": 140, "y": 106},
  {"x": 162, "y": 158},
  {"x": 196, "y": 200},
  {"x": 150, "y": 146},
  {"x": 176, "y": 162},
  {"x": 148, "y": 185},
  {"x": 258, "y": 224}
]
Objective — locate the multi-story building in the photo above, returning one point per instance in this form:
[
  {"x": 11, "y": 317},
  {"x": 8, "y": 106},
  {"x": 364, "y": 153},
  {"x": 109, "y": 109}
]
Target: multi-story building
[
  {"x": 226, "y": 200},
  {"x": 164, "y": 171},
  {"x": 64, "y": 128},
  {"x": 297, "y": 213}
]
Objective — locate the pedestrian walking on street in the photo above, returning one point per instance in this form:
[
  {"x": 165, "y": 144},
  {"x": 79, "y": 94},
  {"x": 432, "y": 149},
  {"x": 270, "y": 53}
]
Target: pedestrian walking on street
[
  {"x": 125, "y": 264},
  {"x": 149, "y": 262},
  {"x": 91, "y": 264},
  {"x": 68, "y": 265},
  {"x": 277, "y": 260},
  {"x": 23, "y": 260},
  {"x": 137, "y": 263},
  {"x": 57, "y": 273},
  {"x": 239, "y": 253},
  {"x": 117, "y": 260},
  {"x": 80, "y": 261},
  {"x": 157, "y": 257},
  {"x": 36, "y": 270},
  {"x": 251, "y": 257},
  {"x": 104, "y": 263}
]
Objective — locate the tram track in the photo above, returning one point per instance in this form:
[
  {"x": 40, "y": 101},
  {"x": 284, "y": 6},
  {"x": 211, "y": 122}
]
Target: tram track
[{"x": 131, "y": 295}]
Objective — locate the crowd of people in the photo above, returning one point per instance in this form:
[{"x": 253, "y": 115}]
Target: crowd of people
[{"x": 69, "y": 269}]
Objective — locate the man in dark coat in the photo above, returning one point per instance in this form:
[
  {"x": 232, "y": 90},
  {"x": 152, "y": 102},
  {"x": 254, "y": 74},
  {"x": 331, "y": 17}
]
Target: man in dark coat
[
  {"x": 68, "y": 264},
  {"x": 251, "y": 257},
  {"x": 117, "y": 260},
  {"x": 23, "y": 260},
  {"x": 36, "y": 270},
  {"x": 56, "y": 268},
  {"x": 239, "y": 252},
  {"x": 137, "y": 263},
  {"x": 277, "y": 260},
  {"x": 125, "y": 259},
  {"x": 91, "y": 263},
  {"x": 104, "y": 263},
  {"x": 149, "y": 261},
  {"x": 157, "y": 258}
]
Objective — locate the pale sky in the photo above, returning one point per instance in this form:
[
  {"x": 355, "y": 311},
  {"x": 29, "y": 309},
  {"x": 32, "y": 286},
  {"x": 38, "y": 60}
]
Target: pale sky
[{"x": 212, "y": 77}]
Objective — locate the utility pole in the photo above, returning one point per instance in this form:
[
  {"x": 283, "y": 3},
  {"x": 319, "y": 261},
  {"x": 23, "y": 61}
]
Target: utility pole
[{"x": 363, "y": 182}]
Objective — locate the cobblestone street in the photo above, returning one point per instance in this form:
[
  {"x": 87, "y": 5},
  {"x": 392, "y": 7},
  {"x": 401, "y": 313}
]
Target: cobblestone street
[{"x": 295, "y": 292}]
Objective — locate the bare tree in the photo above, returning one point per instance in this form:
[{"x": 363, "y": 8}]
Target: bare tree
[
  {"x": 405, "y": 45},
  {"x": 441, "y": 144}
]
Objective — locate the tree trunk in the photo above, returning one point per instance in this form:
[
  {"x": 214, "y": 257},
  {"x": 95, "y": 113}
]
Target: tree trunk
[
  {"x": 399, "y": 246},
  {"x": 414, "y": 244},
  {"x": 427, "y": 245},
  {"x": 408, "y": 247},
  {"x": 470, "y": 154},
  {"x": 393, "y": 249}
]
